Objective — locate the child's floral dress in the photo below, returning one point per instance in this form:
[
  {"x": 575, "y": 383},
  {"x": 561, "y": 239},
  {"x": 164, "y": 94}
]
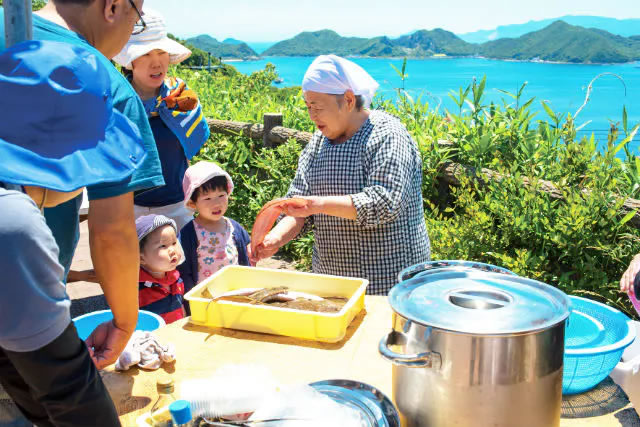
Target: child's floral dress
[{"x": 215, "y": 250}]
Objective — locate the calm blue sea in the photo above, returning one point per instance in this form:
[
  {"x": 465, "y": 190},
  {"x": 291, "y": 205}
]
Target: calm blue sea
[{"x": 562, "y": 86}]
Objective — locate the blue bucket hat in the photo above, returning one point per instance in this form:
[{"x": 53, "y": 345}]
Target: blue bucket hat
[
  {"x": 147, "y": 224},
  {"x": 58, "y": 128}
]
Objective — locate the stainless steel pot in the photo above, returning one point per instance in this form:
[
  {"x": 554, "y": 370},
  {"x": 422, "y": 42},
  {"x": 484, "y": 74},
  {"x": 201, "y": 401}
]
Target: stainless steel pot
[{"x": 471, "y": 348}]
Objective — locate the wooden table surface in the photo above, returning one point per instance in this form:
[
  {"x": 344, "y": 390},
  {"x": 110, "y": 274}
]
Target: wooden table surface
[{"x": 202, "y": 350}]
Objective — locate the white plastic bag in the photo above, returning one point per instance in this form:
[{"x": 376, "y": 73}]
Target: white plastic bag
[
  {"x": 232, "y": 390},
  {"x": 303, "y": 406}
]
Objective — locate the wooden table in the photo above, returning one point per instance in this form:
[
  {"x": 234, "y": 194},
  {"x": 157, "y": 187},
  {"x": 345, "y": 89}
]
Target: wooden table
[{"x": 200, "y": 351}]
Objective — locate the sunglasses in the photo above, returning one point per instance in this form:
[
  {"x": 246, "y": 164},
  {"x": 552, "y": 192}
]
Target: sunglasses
[{"x": 140, "y": 26}]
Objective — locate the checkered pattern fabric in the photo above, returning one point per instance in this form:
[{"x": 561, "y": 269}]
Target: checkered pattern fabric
[{"x": 380, "y": 168}]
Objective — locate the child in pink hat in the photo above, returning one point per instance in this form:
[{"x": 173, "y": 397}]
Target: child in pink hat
[{"x": 211, "y": 240}]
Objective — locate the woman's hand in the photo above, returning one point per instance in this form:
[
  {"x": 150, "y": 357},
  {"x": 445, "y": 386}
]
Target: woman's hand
[
  {"x": 266, "y": 249},
  {"x": 314, "y": 207},
  {"x": 626, "y": 281}
]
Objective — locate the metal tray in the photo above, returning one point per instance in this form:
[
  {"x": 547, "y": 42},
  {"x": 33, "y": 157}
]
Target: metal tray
[{"x": 374, "y": 405}]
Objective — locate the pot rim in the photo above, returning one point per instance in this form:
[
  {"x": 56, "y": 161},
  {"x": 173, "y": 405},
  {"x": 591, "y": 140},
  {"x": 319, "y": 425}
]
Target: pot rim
[{"x": 401, "y": 293}]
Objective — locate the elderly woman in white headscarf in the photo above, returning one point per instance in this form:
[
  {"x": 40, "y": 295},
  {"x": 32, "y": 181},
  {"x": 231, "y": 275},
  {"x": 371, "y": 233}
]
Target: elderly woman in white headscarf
[{"x": 362, "y": 173}]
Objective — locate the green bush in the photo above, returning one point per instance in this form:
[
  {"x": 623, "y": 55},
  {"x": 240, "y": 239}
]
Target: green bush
[{"x": 578, "y": 242}]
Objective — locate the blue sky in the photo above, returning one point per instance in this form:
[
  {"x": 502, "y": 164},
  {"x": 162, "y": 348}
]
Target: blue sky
[{"x": 261, "y": 20}]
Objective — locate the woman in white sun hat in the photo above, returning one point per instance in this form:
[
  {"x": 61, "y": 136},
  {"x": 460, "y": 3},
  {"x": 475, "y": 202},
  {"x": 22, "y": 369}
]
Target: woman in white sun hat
[{"x": 175, "y": 114}]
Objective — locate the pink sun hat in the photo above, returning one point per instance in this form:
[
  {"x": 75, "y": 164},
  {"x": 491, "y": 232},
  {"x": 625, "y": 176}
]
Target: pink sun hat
[{"x": 198, "y": 174}]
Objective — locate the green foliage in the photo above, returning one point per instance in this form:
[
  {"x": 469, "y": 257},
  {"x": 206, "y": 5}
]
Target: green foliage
[
  {"x": 259, "y": 174},
  {"x": 575, "y": 239}
]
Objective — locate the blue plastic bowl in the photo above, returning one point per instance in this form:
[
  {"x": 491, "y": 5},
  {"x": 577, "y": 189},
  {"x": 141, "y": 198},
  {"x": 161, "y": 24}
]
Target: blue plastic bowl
[
  {"x": 85, "y": 324},
  {"x": 595, "y": 338}
]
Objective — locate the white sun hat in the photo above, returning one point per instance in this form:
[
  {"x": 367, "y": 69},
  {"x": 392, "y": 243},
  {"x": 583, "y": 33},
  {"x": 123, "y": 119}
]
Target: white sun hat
[{"x": 153, "y": 37}]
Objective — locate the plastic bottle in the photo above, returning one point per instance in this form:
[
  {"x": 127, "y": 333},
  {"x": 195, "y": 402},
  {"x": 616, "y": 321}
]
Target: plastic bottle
[
  {"x": 165, "y": 389},
  {"x": 181, "y": 413}
]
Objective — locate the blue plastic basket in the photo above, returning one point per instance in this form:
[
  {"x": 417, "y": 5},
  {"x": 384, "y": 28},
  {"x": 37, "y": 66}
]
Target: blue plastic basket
[
  {"x": 595, "y": 338},
  {"x": 85, "y": 324}
]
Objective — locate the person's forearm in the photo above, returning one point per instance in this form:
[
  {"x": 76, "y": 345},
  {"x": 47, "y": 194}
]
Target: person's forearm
[
  {"x": 115, "y": 255},
  {"x": 341, "y": 206},
  {"x": 287, "y": 229}
]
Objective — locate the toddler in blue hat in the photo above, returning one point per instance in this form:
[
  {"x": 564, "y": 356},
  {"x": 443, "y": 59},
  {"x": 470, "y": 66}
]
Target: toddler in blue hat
[
  {"x": 160, "y": 288},
  {"x": 59, "y": 133}
]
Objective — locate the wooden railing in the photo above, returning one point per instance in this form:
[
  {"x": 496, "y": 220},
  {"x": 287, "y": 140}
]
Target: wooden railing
[{"x": 272, "y": 133}]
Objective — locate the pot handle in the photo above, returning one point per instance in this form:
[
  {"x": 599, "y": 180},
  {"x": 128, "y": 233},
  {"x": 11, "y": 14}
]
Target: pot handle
[{"x": 428, "y": 359}]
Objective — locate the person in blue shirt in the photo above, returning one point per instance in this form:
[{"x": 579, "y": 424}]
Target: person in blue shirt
[
  {"x": 175, "y": 114},
  {"x": 59, "y": 134},
  {"x": 103, "y": 27}
]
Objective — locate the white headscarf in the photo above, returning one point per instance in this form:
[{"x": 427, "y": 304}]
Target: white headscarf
[{"x": 335, "y": 75}]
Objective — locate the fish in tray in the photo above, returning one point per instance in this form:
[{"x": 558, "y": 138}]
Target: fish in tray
[{"x": 281, "y": 297}]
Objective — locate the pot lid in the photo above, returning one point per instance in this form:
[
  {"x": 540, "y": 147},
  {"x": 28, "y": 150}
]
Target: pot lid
[
  {"x": 429, "y": 267},
  {"x": 477, "y": 302}
]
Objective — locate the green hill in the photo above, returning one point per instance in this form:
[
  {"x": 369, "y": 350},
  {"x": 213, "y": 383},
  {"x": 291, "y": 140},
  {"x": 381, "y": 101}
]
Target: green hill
[
  {"x": 230, "y": 40},
  {"x": 565, "y": 43},
  {"x": 621, "y": 27},
  {"x": 224, "y": 50},
  {"x": 438, "y": 41},
  {"x": 318, "y": 43},
  {"x": 559, "y": 42},
  {"x": 419, "y": 44},
  {"x": 198, "y": 56}
]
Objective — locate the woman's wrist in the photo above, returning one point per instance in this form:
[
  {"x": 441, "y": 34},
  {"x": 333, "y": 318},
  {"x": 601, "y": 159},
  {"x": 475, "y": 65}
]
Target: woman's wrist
[{"x": 318, "y": 204}]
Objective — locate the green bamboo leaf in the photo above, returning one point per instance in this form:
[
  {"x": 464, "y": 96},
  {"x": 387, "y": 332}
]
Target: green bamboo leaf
[
  {"x": 627, "y": 218},
  {"x": 624, "y": 119},
  {"x": 522, "y": 89},
  {"x": 628, "y": 139},
  {"x": 527, "y": 104},
  {"x": 507, "y": 93},
  {"x": 548, "y": 110}
]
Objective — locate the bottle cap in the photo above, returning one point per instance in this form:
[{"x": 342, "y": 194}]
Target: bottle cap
[
  {"x": 180, "y": 412},
  {"x": 164, "y": 385}
]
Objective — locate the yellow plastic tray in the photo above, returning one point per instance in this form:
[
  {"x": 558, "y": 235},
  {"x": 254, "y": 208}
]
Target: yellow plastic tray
[{"x": 327, "y": 327}]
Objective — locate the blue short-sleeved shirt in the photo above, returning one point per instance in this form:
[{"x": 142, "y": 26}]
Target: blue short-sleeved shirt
[
  {"x": 174, "y": 165},
  {"x": 63, "y": 219},
  {"x": 34, "y": 307}
]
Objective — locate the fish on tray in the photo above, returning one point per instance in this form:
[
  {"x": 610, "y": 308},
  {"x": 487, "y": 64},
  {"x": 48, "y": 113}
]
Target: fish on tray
[{"x": 281, "y": 297}]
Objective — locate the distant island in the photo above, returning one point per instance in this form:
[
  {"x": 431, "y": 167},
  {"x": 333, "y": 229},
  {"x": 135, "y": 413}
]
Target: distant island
[
  {"x": 557, "y": 42},
  {"x": 620, "y": 27},
  {"x": 230, "y": 48}
]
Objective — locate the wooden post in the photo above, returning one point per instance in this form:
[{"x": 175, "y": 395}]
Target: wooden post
[
  {"x": 271, "y": 120},
  {"x": 17, "y": 21}
]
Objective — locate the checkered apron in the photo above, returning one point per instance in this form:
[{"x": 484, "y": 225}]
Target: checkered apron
[{"x": 380, "y": 168}]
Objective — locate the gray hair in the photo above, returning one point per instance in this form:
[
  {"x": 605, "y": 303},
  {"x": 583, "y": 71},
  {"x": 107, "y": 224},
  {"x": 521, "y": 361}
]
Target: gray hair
[{"x": 359, "y": 101}]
